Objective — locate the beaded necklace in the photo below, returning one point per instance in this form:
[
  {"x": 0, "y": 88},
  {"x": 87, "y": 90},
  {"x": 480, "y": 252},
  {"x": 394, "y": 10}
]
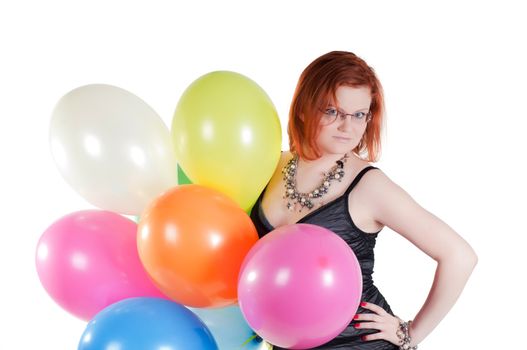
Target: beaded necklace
[{"x": 305, "y": 200}]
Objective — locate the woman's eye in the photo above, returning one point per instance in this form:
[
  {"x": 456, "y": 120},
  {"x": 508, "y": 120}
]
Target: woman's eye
[
  {"x": 331, "y": 111},
  {"x": 360, "y": 115}
]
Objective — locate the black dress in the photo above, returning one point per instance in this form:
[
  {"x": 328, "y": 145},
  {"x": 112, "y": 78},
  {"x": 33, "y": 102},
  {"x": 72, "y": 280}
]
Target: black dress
[{"x": 334, "y": 216}]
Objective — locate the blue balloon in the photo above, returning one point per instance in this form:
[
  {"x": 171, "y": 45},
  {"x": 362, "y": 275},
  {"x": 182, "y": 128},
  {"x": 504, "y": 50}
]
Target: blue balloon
[
  {"x": 146, "y": 324},
  {"x": 229, "y": 328}
]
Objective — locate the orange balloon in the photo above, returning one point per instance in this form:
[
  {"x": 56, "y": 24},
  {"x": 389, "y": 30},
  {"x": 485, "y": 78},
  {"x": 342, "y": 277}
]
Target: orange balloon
[{"x": 192, "y": 241}]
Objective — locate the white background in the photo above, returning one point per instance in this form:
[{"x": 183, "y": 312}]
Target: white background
[{"x": 454, "y": 78}]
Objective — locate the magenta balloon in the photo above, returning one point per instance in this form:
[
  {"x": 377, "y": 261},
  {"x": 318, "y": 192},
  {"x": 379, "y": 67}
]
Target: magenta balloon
[
  {"x": 300, "y": 286},
  {"x": 88, "y": 260}
]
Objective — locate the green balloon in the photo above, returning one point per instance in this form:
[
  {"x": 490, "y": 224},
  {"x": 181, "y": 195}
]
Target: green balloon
[{"x": 182, "y": 178}]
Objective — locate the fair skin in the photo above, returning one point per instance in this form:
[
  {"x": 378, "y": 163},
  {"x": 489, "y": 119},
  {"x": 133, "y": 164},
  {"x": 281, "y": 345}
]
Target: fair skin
[{"x": 375, "y": 202}]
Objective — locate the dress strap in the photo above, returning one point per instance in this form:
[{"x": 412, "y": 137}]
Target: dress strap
[{"x": 358, "y": 177}]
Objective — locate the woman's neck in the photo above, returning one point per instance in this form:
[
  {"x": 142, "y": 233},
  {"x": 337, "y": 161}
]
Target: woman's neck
[{"x": 322, "y": 164}]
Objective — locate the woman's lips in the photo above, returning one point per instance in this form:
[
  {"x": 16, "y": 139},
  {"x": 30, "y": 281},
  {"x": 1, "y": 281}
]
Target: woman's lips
[{"x": 343, "y": 139}]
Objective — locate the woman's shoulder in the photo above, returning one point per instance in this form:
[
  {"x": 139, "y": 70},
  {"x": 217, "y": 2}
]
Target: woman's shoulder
[
  {"x": 285, "y": 156},
  {"x": 277, "y": 176},
  {"x": 375, "y": 186},
  {"x": 372, "y": 174}
]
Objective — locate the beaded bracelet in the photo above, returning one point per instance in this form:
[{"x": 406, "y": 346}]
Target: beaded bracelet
[{"x": 404, "y": 336}]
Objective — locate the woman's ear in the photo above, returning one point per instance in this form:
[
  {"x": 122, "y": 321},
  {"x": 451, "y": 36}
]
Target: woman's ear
[{"x": 302, "y": 117}]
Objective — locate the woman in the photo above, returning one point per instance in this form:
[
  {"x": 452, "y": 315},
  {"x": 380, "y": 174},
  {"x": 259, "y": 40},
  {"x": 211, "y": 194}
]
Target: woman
[{"x": 326, "y": 179}]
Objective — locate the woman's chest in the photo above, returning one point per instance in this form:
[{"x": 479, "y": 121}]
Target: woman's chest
[{"x": 354, "y": 204}]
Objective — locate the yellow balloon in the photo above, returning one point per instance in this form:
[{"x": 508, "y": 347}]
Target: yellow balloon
[{"x": 227, "y": 135}]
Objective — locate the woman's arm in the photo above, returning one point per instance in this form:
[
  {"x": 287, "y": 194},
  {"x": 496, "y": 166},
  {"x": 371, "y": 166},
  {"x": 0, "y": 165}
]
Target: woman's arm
[{"x": 395, "y": 208}]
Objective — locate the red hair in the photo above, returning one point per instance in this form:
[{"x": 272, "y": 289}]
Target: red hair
[{"x": 317, "y": 86}]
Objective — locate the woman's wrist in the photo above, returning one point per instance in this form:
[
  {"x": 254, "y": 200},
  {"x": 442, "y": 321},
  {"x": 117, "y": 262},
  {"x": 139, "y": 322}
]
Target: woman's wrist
[
  {"x": 403, "y": 333},
  {"x": 411, "y": 333}
]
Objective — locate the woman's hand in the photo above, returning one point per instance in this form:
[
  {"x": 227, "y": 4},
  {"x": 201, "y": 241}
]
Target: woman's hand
[{"x": 381, "y": 320}]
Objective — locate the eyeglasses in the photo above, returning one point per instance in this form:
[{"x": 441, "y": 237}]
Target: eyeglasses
[{"x": 331, "y": 114}]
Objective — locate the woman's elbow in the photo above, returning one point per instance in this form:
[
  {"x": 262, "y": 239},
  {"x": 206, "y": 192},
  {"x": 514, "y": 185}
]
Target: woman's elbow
[
  {"x": 462, "y": 257},
  {"x": 468, "y": 258},
  {"x": 472, "y": 257}
]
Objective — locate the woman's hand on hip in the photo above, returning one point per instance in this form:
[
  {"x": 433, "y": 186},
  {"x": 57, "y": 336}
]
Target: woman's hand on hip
[{"x": 380, "y": 320}]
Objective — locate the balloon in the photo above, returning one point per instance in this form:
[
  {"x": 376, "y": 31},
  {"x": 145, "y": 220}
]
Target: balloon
[
  {"x": 230, "y": 329},
  {"x": 227, "y": 135},
  {"x": 112, "y": 148},
  {"x": 300, "y": 286},
  {"x": 88, "y": 260},
  {"x": 146, "y": 323},
  {"x": 192, "y": 241},
  {"x": 182, "y": 177},
  {"x": 183, "y": 180}
]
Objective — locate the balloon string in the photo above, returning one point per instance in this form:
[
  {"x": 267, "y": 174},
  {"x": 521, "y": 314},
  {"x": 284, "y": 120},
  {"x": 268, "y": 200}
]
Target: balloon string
[
  {"x": 249, "y": 340},
  {"x": 267, "y": 345}
]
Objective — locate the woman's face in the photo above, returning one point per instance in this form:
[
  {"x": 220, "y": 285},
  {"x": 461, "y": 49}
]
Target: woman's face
[{"x": 344, "y": 134}]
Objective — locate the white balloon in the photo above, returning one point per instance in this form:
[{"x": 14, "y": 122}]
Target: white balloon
[{"x": 112, "y": 148}]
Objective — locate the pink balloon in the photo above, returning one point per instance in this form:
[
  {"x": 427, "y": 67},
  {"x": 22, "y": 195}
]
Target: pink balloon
[
  {"x": 88, "y": 260},
  {"x": 299, "y": 286}
]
